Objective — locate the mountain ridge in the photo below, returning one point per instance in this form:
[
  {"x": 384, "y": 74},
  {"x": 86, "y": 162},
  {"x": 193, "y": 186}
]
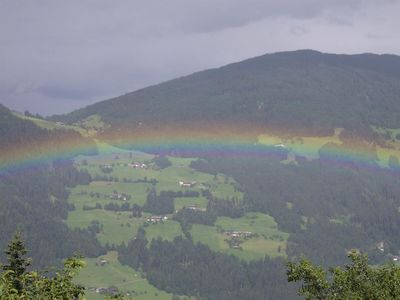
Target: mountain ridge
[{"x": 298, "y": 89}]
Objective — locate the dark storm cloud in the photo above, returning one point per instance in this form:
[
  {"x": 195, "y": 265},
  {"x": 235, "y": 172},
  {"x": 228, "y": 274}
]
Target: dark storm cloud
[{"x": 60, "y": 55}]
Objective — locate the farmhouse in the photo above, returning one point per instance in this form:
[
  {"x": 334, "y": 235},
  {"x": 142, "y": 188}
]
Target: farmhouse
[
  {"x": 138, "y": 165},
  {"x": 183, "y": 183},
  {"x": 194, "y": 207},
  {"x": 156, "y": 219},
  {"x": 239, "y": 234},
  {"x": 119, "y": 196},
  {"x": 280, "y": 146}
]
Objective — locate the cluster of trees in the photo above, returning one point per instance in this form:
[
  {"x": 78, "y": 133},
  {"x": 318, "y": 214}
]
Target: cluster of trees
[
  {"x": 159, "y": 204},
  {"x": 162, "y": 162},
  {"x": 136, "y": 211},
  {"x": 37, "y": 205},
  {"x": 35, "y": 201},
  {"x": 164, "y": 204},
  {"x": 184, "y": 268},
  {"x": 216, "y": 207},
  {"x": 230, "y": 207},
  {"x": 98, "y": 177},
  {"x": 95, "y": 227},
  {"x": 112, "y": 206},
  {"x": 345, "y": 207},
  {"x": 115, "y": 207},
  {"x": 180, "y": 194},
  {"x": 181, "y": 267},
  {"x": 28, "y": 114},
  {"x": 88, "y": 207}
]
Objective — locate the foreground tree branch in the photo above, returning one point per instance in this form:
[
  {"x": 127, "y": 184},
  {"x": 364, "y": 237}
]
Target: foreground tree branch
[{"x": 357, "y": 280}]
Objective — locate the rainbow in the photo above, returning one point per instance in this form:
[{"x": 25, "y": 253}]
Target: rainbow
[
  {"x": 222, "y": 140},
  {"x": 26, "y": 157}
]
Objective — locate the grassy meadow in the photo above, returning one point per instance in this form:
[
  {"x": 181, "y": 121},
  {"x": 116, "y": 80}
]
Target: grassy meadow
[
  {"x": 128, "y": 281},
  {"x": 266, "y": 240}
]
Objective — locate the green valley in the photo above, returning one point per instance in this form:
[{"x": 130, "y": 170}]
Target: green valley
[{"x": 112, "y": 207}]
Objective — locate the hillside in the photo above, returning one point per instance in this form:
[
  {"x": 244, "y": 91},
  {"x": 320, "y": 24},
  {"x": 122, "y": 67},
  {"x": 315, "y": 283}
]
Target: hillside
[
  {"x": 33, "y": 196},
  {"x": 303, "y": 89},
  {"x": 279, "y": 152}
]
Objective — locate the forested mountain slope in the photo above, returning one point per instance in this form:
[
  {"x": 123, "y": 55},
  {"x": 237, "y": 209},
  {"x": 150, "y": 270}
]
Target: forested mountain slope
[
  {"x": 301, "y": 89},
  {"x": 33, "y": 199}
]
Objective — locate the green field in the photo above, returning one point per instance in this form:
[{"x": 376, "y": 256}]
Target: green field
[
  {"x": 81, "y": 194},
  {"x": 267, "y": 239},
  {"x": 117, "y": 226},
  {"x": 167, "y": 230},
  {"x": 50, "y": 125},
  {"x": 112, "y": 273},
  {"x": 167, "y": 179}
]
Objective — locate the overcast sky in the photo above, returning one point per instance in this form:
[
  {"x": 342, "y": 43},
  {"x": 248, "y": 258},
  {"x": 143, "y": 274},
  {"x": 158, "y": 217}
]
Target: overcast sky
[{"x": 58, "y": 55}]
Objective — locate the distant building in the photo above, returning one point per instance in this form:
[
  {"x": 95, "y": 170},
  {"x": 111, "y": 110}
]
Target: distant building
[
  {"x": 187, "y": 183},
  {"x": 240, "y": 234},
  {"x": 381, "y": 246},
  {"x": 280, "y": 146},
  {"x": 119, "y": 196},
  {"x": 112, "y": 290},
  {"x": 194, "y": 207},
  {"x": 138, "y": 165},
  {"x": 156, "y": 219}
]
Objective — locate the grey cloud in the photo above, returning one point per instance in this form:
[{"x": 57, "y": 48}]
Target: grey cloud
[
  {"x": 376, "y": 36},
  {"x": 298, "y": 30},
  {"x": 59, "y": 55}
]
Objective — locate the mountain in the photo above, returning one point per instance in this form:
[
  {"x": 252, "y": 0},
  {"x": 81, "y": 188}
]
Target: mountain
[
  {"x": 288, "y": 90},
  {"x": 346, "y": 194},
  {"x": 328, "y": 189}
]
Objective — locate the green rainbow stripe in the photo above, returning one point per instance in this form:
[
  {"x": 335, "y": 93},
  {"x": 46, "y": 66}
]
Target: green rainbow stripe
[{"x": 210, "y": 140}]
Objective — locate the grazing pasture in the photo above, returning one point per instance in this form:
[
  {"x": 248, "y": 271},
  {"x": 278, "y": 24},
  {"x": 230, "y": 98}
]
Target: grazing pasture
[
  {"x": 106, "y": 271},
  {"x": 266, "y": 238}
]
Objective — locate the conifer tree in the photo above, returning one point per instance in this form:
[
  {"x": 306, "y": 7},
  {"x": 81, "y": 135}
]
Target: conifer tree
[
  {"x": 17, "y": 262},
  {"x": 17, "y": 282}
]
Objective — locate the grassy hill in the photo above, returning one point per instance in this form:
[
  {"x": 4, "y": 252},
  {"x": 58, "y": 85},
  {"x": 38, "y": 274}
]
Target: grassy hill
[{"x": 303, "y": 89}]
